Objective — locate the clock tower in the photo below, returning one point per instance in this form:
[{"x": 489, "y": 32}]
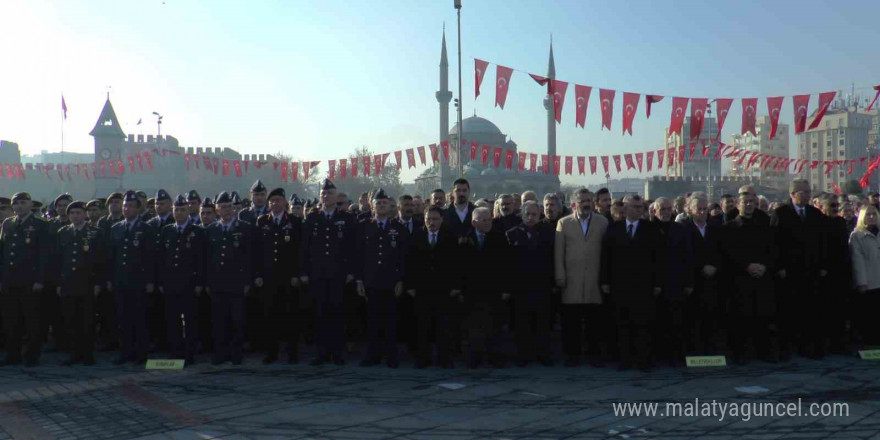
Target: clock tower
[{"x": 108, "y": 145}]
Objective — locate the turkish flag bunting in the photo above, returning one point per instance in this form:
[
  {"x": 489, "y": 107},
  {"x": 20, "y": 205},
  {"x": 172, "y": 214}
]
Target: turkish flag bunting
[
  {"x": 639, "y": 160},
  {"x": 706, "y": 148},
  {"x": 521, "y": 163},
  {"x": 479, "y": 70},
  {"x": 679, "y": 106},
  {"x": 331, "y": 169},
  {"x": 851, "y": 163},
  {"x": 421, "y": 151},
  {"x": 660, "y": 154},
  {"x": 284, "y": 167},
  {"x": 592, "y": 165},
  {"x": 801, "y": 167},
  {"x": 443, "y": 146},
  {"x": 545, "y": 163},
  {"x": 722, "y": 108},
  {"x": 103, "y": 166},
  {"x": 533, "y": 162},
  {"x": 605, "y": 163},
  {"x": 225, "y": 167},
  {"x": 670, "y": 157},
  {"x": 774, "y": 107},
  {"x": 131, "y": 164},
  {"x": 111, "y": 168},
  {"x": 582, "y": 99},
  {"x": 237, "y": 165},
  {"x": 800, "y": 104},
  {"x": 435, "y": 154},
  {"x": 630, "y": 105},
  {"x": 680, "y": 153},
  {"x": 294, "y": 170},
  {"x": 606, "y": 98},
  {"x": 205, "y": 159},
  {"x": 343, "y": 168},
  {"x": 377, "y": 164},
  {"x": 568, "y": 165},
  {"x": 651, "y": 99},
  {"x": 496, "y": 157},
  {"x": 474, "y": 147},
  {"x": 557, "y": 90},
  {"x": 484, "y": 155},
  {"x": 398, "y": 156},
  {"x": 246, "y": 163},
  {"x": 693, "y": 147},
  {"x": 556, "y": 163},
  {"x": 539, "y": 79},
  {"x": 365, "y": 161},
  {"x": 508, "y": 159},
  {"x": 698, "y": 111},
  {"x": 871, "y": 105},
  {"x": 742, "y": 157},
  {"x": 502, "y": 85},
  {"x": 616, "y": 158},
  {"x": 186, "y": 156},
  {"x": 354, "y": 167},
  {"x": 824, "y": 102},
  {"x": 829, "y": 165},
  {"x": 749, "y": 116},
  {"x": 140, "y": 160},
  {"x": 411, "y": 157},
  {"x": 582, "y": 165},
  {"x": 149, "y": 160},
  {"x": 629, "y": 161},
  {"x": 649, "y": 158}
]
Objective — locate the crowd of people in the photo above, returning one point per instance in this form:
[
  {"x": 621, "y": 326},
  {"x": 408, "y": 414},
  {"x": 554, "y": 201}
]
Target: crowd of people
[{"x": 629, "y": 282}]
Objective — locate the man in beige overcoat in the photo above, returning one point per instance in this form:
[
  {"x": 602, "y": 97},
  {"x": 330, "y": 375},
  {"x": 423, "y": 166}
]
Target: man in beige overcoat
[{"x": 578, "y": 253}]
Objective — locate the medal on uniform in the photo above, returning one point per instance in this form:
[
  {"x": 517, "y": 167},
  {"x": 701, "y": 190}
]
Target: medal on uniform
[
  {"x": 85, "y": 248},
  {"x": 235, "y": 243},
  {"x": 135, "y": 242},
  {"x": 27, "y": 241},
  {"x": 287, "y": 238}
]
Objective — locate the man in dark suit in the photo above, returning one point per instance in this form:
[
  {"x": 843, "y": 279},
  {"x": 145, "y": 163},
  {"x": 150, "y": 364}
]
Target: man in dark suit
[
  {"x": 279, "y": 235},
  {"x": 509, "y": 219},
  {"x": 229, "y": 278},
  {"x": 182, "y": 279},
  {"x": 677, "y": 282},
  {"x": 839, "y": 264},
  {"x": 531, "y": 243},
  {"x": 458, "y": 216},
  {"x": 131, "y": 255},
  {"x": 406, "y": 214},
  {"x": 413, "y": 223},
  {"x": 80, "y": 248},
  {"x": 326, "y": 265},
  {"x": 800, "y": 233},
  {"x": 632, "y": 260},
  {"x": 429, "y": 282}
]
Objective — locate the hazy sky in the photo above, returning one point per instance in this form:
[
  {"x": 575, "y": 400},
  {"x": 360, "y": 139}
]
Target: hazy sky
[{"x": 319, "y": 78}]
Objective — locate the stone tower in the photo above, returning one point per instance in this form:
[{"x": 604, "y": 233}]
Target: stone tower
[{"x": 108, "y": 145}]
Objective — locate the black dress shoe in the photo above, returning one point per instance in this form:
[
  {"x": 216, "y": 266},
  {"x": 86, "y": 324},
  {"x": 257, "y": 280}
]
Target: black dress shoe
[
  {"x": 448, "y": 365},
  {"x": 522, "y": 363},
  {"x": 217, "y": 361},
  {"x": 547, "y": 362},
  {"x": 497, "y": 363},
  {"x": 391, "y": 364},
  {"x": 236, "y": 361},
  {"x": 270, "y": 359}
]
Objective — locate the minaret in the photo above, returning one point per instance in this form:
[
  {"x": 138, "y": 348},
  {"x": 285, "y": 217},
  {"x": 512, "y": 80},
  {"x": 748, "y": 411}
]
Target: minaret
[
  {"x": 548, "y": 104},
  {"x": 443, "y": 97}
]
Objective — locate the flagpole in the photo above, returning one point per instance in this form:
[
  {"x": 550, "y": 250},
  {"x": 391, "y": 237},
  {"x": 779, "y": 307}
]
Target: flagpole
[{"x": 63, "y": 117}]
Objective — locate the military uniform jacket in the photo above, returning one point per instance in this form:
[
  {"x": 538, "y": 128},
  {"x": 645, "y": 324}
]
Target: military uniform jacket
[
  {"x": 279, "y": 249},
  {"x": 81, "y": 260},
  {"x": 328, "y": 245},
  {"x": 230, "y": 256},
  {"x": 181, "y": 257},
  {"x": 24, "y": 250},
  {"x": 251, "y": 214},
  {"x": 131, "y": 255},
  {"x": 105, "y": 223},
  {"x": 382, "y": 254}
]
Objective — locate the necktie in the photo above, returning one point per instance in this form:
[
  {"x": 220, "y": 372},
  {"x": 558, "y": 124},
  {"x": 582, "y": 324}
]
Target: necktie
[
  {"x": 629, "y": 230},
  {"x": 409, "y": 226},
  {"x": 433, "y": 239},
  {"x": 180, "y": 230},
  {"x": 480, "y": 240},
  {"x": 803, "y": 213}
]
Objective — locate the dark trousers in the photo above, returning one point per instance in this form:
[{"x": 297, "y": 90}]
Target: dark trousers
[
  {"x": 51, "y": 318},
  {"x": 158, "y": 326},
  {"x": 866, "y": 317},
  {"x": 182, "y": 323},
  {"x": 585, "y": 323},
  {"x": 382, "y": 324},
  {"x": 483, "y": 324},
  {"x": 21, "y": 316},
  {"x": 281, "y": 319},
  {"x": 354, "y": 314},
  {"x": 670, "y": 335},
  {"x": 79, "y": 316},
  {"x": 228, "y": 320},
  {"x": 633, "y": 337},
  {"x": 532, "y": 314},
  {"x": 106, "y": 305},
  {"x": 203, "y": 303},
  {"x": 435, "y": 316},
  {"x": 257, "y": 326},
  {"x": 329, "y": 321},
  {"x": 131, "y": 313},
  {"x": 706, "y": 319},
  {"x": 406, "y": 323}
]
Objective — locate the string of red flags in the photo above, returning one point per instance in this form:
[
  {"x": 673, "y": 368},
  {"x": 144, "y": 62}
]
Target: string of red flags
[{"x": 557, "y": 90}]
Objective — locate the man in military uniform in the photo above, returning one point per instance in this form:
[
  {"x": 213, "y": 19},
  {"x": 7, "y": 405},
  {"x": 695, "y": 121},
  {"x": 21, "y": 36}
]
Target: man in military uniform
[
  {"x": 182, "y": 268},
  {"x": 114, "y": 206},
  {"x": 93, "y": 212},
  {"x": 229, "y": 275},
  {"x": 151, "y": 208},
  {"x": 296, "y": 207},
  {"x": 279, "y": 236},
  {"x": 80, "y": 248},
  {"x": 24, "y": 251},
  {"x": 5, "y": 208},
  {"x": 383, "y": 244},
  {"x": 50, "y": 308},
  {"x": 237, "y": 204},
  {"x": 163, "y": 210},
  {"x": 108, "y": 332},
  {"x": 156, "y": 319},
  {"x": 131, "y": 255},
  {"x": 258, "y": 196},
  {"x": 144, "y": 212},
  {"x": 195, "y": 203},
  {"x": 207, "y": 212},
  {"x": 207, "y": 216},
  {"x": 326, "y": 265}
]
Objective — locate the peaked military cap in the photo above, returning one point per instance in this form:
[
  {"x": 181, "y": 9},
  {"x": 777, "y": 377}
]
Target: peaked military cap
[
  {"x": 97, "y": 203},
  {"x": 5, "y": 201},
  {"x": 64, "y": 196},
  {"x": 76, "y": 205},
  {"x": 21, "y": 196},
  {"x": 116, "y": 195},
  {"x": 234, "y": 198},
  {"x": 380, "y": 195},
  {"x": 258, "y": 186},
  {"x": 130, "y": 196},
  {"x": 224, "y": 197},
  {"x": 278, "y": 192},
  {"x": 162, "y": 195},
  {"x": 193, "y": 195},
  {"x": 327, "y": 184},
  {"x": 295, "y": 200},
  {"x": 181, "y": 201},
  {"x": 141, "y": 194},
  {"x": 207, "y": 203}
]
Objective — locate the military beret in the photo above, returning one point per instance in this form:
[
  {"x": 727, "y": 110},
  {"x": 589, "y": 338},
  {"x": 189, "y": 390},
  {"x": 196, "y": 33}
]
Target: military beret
[
  {"x": 258, "y": 186},
  {"x": 141, "y": 194},
  {"x": 130, "y": 196},
  {"x": 64, "y": 196},
  {"x": 234, "y": 198},
  {"x": 295, "y": 200},
  {"x": 207, "y": 203},
  {"x": 115, "y": 195},
  {"x": 180, "y": 201},
  {"x": 224, "y": 197},
  {"x": 278, "y": 192},
  {"x": 327, "y": 184},
  {"x": 21, "y": 196},
  {"x": 151, "y": 201},
  {"x": 102, "y": 200},
  {"x": 76, "y": 205},
  {"x": 193, "y": 195},
  {"x": 162, "y": 195},
  {"x": 5, "y": 201},
  {"x": 380, "y": 195},
  {"x": 95, "y": 203},
  {"x": 37, "y": 204}
]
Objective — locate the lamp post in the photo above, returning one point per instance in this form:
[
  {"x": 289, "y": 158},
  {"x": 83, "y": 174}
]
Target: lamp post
[
  {"x": 158, "y": 124},
  {"x": 458, "y": 102}
]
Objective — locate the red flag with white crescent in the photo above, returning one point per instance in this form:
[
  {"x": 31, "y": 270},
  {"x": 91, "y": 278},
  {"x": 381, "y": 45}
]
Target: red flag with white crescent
[
  {"x": 630, "y": 105},
  {"x": 582, "y": 163},
  {"x": 799, "y": 105},
  {"x": 397, "y": 157},
  {"x": 871, "y": 105},
  {"x": 131, "y": 164},
  {"x": 246, "y": 163},
  {"x": 604, "y": 163},
  {"x": 443, "y": 146},
  {"x": 484, "y": 154},
  {"x": 680, "y": 153},
  {"x": 722, "y": 108},
  {"x": 592, "y": 165},
  {"x": 545, "y": 163},
  {"x": 508, "y": 159},
  {"x": 660, "y": 154},
  {"x": 480, "y": 67},
  {"x": 616, "y": 158},
  {"x": 606, "y": 98},
  {"x": 556, "y": 163},
  {"x": 331, "y": 169},
  {"x": 149, "y": 160},
  {"x": 411, "y": 157},
  {"x": 693, "y": 148},
  {"x": 640, "y": 160},
  {"x": 103, "y": 167},
  {"x": 474, "y": 147},
  {"x": 496, "y": 157},
  {"x": 365, "y": 160},
  {"x": 343, "y": 168},
  {"x": 533, "y": 162},
  {"x": 294, "y": 171},
  {"x": 111, "y": 168},
  {"x": 502, "y": 85},
  {"x": 284, "y": 171},
  {"x": 649, "y": 159},
  {"x": 774, "y": 108},
  {"x": 698, "y": 111},
  {"x": 582, "y": 99},
  {"x": 557, "y": 91},
  {"x": 540, "y": 79},
  {"x": 679, "y": 106},
  {"x": 521, "y": 163},
  {"x": 825, "y": 100},
  {"x": 706, "y": 148},
  {"x": 568, "y": 165},
  {"x": 749, "y": 116},
  {"x": 378, "y": 164},
  {"x": 236, "y": 164},
  {"x": 651, "y": 99},
  {"x": 435, "y": 154},
  {"x": 670, "y": 157},
  {"x": 354, "y": 167},
  {"x": 186, "y": 156},
  {"x": 851, "y": 163},
  {"x": 421, "y": 150},
  {"x": 629, "y": 161}
]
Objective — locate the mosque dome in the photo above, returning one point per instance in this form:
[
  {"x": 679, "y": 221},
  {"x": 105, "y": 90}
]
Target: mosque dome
[{"x": 477, "y": 125}]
